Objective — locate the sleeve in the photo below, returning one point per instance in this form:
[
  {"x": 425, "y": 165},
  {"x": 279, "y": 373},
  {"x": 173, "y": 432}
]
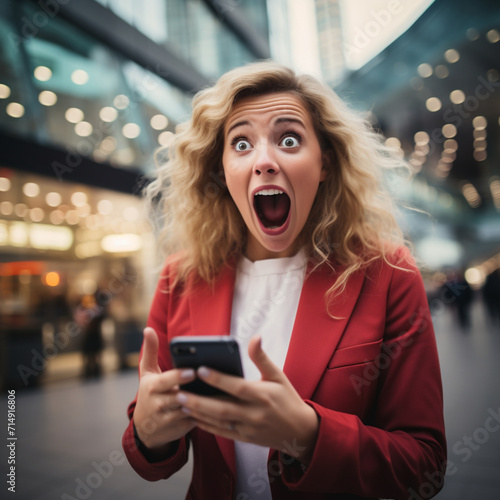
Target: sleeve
[
  {"x": 402, "y": 453},
  {"x": 134, "y": 451}
]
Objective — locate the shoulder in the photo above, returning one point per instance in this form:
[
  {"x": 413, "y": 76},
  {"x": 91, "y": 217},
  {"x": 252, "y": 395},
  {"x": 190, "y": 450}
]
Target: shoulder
[
  {"x": 397, "y": 261},
  {"x": 179, "y": 278}
]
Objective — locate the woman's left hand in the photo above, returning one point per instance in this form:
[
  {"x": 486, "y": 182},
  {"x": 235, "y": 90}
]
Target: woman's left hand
[{"x": 268, "y": 412}]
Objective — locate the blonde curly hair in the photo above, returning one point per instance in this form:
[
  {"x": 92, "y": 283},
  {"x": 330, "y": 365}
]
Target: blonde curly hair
[{"x": 352, "y": 221}]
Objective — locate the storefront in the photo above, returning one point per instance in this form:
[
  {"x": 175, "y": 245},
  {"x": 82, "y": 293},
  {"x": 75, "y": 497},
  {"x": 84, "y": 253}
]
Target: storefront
[{"x": 69, "y": 252}]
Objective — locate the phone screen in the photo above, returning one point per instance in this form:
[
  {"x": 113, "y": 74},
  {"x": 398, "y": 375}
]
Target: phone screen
[{"x": 218, "y": 352}]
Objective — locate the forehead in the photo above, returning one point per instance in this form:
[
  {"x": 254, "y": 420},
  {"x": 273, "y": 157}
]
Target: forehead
[{"x": 268, "y": 106}]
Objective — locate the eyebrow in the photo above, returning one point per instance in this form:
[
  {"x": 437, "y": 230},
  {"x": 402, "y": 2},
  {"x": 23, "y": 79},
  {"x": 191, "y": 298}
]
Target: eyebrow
[
  {"x": 290, "y": 120},
  {"x": 237, "y": 124},
  {"x": 278, "y": 121}
]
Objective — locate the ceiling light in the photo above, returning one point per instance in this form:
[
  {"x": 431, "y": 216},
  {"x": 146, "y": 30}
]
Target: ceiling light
[
  {"x": 15, "y": 110},
  {"x": 79, "y": 77},
  {"x": 449, "y": 130},
  {"x": 42, "y": 73},
  {"x": 393, "y": 143},
  {"x": 433, "y": 104},
  {"x": 441, "y": 71},
  {"x": 83, "y": 129},
  {"x": 53, "y": 199},
  {"x": 4, "y": 184},
  {"x": 108, "y": 144},
  {"x": 131, "y": 130},
  {"x": 165, "y": 138},
  {"x": 421, "y": 138},
  {"x": 31, "y": 189},
  {"x": 4, "y": 91},
  {"x": 471, "y": 195},
  {"x": 472, "y": 34},
  {"x": 450, "y": 145},
  {"x": 36, "y": 214},
  {"x": 479, "y": 122},
  {"x": 72, "y": 217},
  {"x": 56, "y": 217},
  {"x": 79, "y": 198},
  {"x": 105, "y": 207},
  {"x": 74, "y": 115},
  {"x": 424, "y": 70},
  {"x": 480, "y": 155},
  {"x": 47, "y": 98},
  {"x": 121, "y": 101},
  {"x": 457, "y": 96},
  {"x": 21, "y": 209},
  {"x": 452, "y": 56},
  {"x": 493, "y": 36},
  {"x": 159, "y": 122},
  {"x": 6, "y": 208},
  {"x": 108, "y": 114}
]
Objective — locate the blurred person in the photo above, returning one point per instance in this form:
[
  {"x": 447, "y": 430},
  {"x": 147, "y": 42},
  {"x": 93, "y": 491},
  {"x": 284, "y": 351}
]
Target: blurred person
[
  {"x": 89, "y": 316},
  {"x": 463, "y": 302},
  {"x": 273, "y": 205},
  {"x": 491, "y": 296},
  {"x": 458, "y": 295}
]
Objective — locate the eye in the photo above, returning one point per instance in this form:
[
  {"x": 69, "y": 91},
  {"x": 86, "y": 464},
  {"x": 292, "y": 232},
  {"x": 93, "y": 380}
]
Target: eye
[
  {"x": 290, "y": 141},
  {"x": 241, "y": 145}
]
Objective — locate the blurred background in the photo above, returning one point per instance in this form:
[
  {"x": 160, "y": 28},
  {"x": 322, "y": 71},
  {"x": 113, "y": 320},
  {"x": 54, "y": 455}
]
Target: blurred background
[{"x": 89, "y": 90}]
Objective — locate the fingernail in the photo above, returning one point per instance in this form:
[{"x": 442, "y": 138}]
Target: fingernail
[
  {"x": 203, "y": 372},
  {"x": 189, "y": 373},
  {"x": 181, "y": 398},
  {"x": 185, "y": 410}
]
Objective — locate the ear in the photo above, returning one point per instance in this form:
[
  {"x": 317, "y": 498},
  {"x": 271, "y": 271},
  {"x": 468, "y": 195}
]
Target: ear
[{"x": 325, "y": 160}]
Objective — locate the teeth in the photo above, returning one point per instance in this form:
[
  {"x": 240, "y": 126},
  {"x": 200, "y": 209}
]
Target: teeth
[{"x": 269, "y": 192}]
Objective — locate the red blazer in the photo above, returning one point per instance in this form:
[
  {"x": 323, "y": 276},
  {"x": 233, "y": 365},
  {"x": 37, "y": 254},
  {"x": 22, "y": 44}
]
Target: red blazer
[{"x": 372, "y": 375}]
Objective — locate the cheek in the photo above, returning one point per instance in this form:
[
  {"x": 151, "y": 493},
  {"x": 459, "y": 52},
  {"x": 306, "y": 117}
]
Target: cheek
[{"x": 237, "y": 189}]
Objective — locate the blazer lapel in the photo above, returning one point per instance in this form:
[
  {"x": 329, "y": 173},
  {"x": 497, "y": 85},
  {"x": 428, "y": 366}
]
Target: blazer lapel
[
  {"x": 210, "y": 307},
  {"x": 316, "y": 335},
  {"x": 210, "y": 311}
]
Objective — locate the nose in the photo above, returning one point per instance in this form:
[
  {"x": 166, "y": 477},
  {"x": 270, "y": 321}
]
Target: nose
[{"x": 265, "y": 163}]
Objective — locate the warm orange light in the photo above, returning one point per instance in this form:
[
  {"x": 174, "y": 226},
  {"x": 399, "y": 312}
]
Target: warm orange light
[{"x": 52, "y": 278}]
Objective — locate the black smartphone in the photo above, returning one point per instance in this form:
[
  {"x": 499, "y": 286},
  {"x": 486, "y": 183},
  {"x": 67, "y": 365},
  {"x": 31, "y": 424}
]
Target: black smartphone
[{"x": 221, "y": 353}]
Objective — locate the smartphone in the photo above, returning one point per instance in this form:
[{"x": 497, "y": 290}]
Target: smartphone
[{"x": 221, "y": 353}]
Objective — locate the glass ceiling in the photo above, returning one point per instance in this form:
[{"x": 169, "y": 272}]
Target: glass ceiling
[{"x": 68, "y": 90}]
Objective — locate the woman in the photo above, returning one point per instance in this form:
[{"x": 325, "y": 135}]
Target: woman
[{"x": 286, "y": 240}]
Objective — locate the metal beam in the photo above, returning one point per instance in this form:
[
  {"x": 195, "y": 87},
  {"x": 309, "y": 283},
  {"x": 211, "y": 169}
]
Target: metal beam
[
  {"x": 113, "y": 31},
  {"x": 234, "y": 19},
  {"x": 24, "y": 154}
]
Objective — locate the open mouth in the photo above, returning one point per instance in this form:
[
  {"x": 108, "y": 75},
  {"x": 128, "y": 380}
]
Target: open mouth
[{"x": 272, "y": 206}]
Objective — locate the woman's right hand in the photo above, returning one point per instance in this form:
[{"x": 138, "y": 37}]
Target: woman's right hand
[{"x": 158, "y": 418}]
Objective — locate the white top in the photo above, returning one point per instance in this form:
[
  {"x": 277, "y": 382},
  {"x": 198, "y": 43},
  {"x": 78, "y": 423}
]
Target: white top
[{"x": 265, "y": 301}]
